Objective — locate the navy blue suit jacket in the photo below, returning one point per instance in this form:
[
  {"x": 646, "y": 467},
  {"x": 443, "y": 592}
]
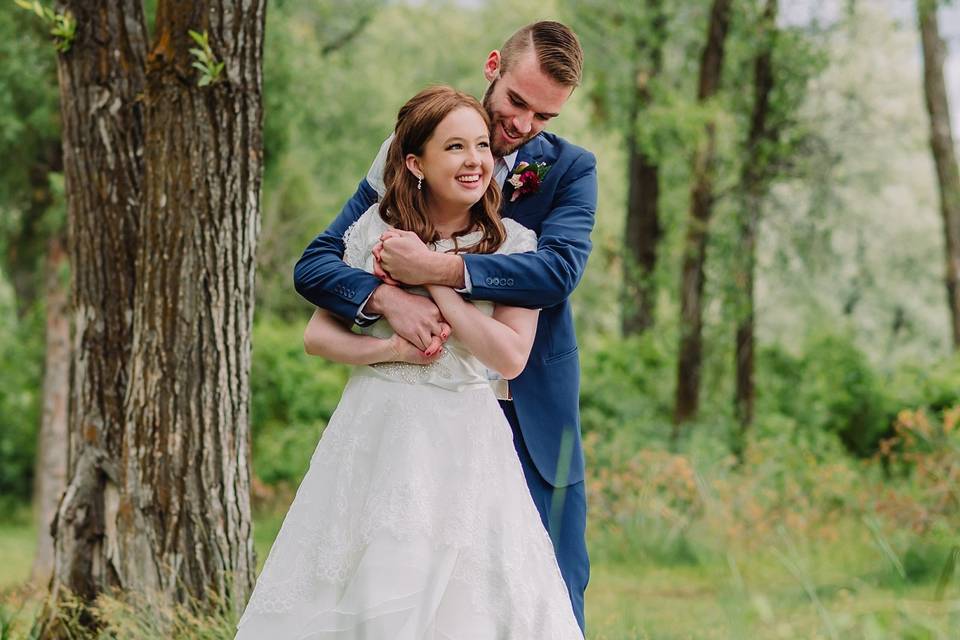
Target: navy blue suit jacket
[{"x": 546, "y": 394}]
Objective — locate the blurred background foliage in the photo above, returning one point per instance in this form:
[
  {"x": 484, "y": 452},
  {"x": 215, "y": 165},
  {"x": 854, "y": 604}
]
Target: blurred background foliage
[{"x": 840, "y": 519}]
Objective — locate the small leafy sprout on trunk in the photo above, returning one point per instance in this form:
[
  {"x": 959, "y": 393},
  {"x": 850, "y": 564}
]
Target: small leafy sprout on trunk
[
  {"x": 63, "y": 26},
  {"x": 205, "y": 62}
]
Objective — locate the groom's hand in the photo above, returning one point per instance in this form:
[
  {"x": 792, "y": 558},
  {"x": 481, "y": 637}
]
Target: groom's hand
[
  {"x": 415, "y": 318},
  {"x": 402, "y": 256}
]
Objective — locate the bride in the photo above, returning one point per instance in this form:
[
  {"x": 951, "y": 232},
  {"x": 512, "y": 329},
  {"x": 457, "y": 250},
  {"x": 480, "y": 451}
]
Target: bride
[{"x": 414, "y": 520}]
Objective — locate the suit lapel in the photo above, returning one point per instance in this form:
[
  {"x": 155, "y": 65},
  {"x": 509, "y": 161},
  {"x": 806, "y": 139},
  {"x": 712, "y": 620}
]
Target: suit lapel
[{"x": 530, "y": 152}]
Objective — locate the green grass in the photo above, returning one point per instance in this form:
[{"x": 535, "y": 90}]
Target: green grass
[
  {"x": 17, "y": 544},
  {"x": 842, "y": 589}
]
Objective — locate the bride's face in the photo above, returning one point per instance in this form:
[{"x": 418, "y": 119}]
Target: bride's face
[{"x": 456, "y": 163}]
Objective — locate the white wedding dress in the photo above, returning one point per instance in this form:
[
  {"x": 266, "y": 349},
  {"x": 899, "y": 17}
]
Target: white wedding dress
[{"x": 414, "y": 521}]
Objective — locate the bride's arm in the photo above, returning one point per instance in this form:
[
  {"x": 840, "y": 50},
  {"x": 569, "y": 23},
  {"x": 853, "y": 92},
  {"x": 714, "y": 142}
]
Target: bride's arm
[
  {"x": 330, "y": 337},
  {"x": 502, "y": 342}
]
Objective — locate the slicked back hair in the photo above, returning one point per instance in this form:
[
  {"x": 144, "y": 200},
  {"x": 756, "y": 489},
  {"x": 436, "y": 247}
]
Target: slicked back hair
[{"x": 556, "y": 47}]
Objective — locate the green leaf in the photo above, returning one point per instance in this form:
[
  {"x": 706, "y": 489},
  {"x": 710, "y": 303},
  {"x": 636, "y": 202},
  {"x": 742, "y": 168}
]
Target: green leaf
[{"x": 199, "y": 38}]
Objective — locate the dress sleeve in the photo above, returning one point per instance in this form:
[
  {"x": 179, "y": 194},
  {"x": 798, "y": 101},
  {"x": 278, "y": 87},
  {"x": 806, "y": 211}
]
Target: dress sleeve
[
  {"x": 519, "y": 238},
  {"x": 360, "y": 238}
]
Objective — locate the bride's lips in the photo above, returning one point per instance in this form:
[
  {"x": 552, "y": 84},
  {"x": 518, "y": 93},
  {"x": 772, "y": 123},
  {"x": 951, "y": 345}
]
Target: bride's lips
[{"x": 469, "y": 180}]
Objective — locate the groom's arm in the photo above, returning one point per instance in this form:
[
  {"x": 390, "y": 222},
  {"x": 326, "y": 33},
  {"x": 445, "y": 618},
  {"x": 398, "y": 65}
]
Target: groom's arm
[
  {"x": 550, "y": 274},
  {"x": 322, "y": 277}
]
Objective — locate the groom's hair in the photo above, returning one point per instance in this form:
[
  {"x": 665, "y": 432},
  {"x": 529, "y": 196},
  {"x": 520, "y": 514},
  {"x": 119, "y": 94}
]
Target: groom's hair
[{"x": 556, "y": 47}]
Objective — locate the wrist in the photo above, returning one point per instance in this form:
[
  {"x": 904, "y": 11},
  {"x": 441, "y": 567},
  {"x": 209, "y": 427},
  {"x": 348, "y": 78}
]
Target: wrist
[
  {"x": 448, "y": 270},
  {"x": 388, "y": 352},
  {"x": 378, "y": 302}
]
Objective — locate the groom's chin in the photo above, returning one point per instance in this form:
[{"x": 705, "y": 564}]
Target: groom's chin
[{"x": 500, "y": 149}]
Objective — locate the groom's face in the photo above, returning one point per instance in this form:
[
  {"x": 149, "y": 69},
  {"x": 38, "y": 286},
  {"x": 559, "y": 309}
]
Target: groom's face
[{"x": 520, "y": 101}]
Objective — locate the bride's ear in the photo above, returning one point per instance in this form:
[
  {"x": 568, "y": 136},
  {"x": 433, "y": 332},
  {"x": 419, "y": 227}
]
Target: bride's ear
[{"x": 413, "y": 165}]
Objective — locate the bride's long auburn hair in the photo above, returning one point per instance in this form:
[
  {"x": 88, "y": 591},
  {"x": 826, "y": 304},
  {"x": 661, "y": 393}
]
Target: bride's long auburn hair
[{"x": 403, "y": 205}]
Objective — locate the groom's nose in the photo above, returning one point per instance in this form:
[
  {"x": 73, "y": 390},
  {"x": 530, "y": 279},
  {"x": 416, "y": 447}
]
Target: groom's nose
[{"x": 523, "y": 123}]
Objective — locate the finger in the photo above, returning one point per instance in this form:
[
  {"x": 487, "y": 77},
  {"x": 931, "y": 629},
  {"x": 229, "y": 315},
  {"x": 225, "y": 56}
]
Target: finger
[
  {"x": 424, "y": 338},
  {"x": 377, "y": 250},
  {"x": 378, "y": 270},
  {"x": 445, "y": 331},
  {"x": 387, "y": 278},
  {"x": 435, "y": 345}
]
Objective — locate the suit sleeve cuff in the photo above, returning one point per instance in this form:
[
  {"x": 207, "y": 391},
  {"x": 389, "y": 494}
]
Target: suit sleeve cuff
[
  {"x": 467, "y": 285},
  {"x": 363, "y": 319}
]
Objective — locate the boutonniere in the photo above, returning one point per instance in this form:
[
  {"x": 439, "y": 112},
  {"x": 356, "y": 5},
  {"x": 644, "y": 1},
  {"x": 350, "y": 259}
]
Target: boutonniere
[{"x": 526, "y": 178}]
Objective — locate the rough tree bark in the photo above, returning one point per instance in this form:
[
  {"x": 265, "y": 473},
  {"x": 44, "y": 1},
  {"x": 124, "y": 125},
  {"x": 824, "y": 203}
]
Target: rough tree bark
[
  {"x": 186, "y": 525},
  {"x": 643, "y": 229},
  {"x": 754, "y": 182},
  {"x": 163, "y": 181},
  {"x": 100, "y": 81},
  {"x": 690, "y": 354},
  {"x": 944, "y": 158},
  {"x": 50, "y": 471}
]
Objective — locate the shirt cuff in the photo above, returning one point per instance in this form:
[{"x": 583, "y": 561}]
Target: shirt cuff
[
  {"x": 362, "y": 319},
  {"x": 467, "y": 285}
]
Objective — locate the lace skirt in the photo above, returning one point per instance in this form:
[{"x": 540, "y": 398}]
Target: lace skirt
[{"x": 413, "y": 522}]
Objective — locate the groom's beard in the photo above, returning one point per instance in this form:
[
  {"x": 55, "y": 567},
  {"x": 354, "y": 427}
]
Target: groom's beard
[{"x": 500, "y": 147}]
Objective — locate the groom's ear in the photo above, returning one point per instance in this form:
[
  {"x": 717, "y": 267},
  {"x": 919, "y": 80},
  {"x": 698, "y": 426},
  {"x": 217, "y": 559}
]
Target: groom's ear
[
  {"x": 413, "y": 165},
  {"x": 491, "y": 68}
]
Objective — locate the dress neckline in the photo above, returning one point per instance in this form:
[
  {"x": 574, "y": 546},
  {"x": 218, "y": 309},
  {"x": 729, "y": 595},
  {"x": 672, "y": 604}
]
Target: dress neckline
[{"x": 464, "y": 240}]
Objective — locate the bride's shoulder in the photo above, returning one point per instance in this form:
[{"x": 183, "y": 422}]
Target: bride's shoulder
[
  {"x": 360, "y": 236},
  {"x": 519, "y": 238}
]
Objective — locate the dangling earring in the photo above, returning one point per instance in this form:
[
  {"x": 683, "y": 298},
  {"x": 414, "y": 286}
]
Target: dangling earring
[{"x": 419, "y": 183}]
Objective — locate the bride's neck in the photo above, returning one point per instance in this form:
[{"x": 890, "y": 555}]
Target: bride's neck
[{"x": 448, "y": 220}]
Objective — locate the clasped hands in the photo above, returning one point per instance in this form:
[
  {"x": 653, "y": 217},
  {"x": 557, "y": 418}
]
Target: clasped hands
[{"x": 401, "y": 258}]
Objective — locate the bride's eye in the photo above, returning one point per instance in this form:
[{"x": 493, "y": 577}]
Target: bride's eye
[
  {"x": 483, "y": 145},
  {"x": 455, "y": 145}
]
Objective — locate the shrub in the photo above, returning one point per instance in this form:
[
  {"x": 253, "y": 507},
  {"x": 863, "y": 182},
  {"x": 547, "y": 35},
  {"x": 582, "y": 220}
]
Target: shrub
[{"x": 292, "y": 397}]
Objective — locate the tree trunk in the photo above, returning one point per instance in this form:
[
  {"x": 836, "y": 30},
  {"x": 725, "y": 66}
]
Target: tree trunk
[
  {"x": 754, "y": 180},
  {"x": 643, "y": 229},
  {"x": 941, "y": 145},
  {"x": 186, "y": 526},
  {"x": 50, "y": 471},
  {"x": 100, "y": 81},
  {"x": 695, "y": 244},
  {"x": 158, "y": 499}
]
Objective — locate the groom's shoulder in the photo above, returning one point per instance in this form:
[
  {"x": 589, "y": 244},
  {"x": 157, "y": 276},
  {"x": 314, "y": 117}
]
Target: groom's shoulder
[{"x": 560, "y": 151}]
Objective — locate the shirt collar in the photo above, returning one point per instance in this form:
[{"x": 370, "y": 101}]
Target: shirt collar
[{"x": 511, "y": 160}]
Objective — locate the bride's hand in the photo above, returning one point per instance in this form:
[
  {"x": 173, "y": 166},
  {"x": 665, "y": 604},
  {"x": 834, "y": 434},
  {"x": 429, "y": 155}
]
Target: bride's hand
[
  {"x": 402, "y": 350},
  {"x": 404, "y": 257}
]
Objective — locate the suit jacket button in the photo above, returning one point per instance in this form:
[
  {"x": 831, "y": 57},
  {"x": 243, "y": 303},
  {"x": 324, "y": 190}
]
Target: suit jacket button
[
  {"x": 509, "y": 282},
  {"x": 489, "y": 280}
]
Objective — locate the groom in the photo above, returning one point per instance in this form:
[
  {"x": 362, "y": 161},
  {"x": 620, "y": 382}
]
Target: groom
[{"x": 530, "y": 78}]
